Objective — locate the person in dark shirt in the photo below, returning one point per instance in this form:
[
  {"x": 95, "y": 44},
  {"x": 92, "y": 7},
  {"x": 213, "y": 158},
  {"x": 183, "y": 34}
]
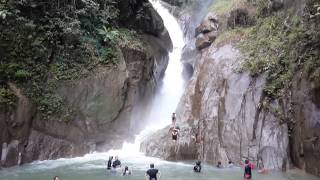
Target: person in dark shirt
[
  {"x": 116, "y": 163},
  {"x": 109, "y": 162},
  {"x": 197, "y": 167},
  {"x": 152, "y": 173},
  {"x": 247, "y": 170}
]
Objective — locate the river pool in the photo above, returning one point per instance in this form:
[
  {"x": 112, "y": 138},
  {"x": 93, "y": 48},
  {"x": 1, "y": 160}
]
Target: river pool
[{"x": 93, "y": 167}]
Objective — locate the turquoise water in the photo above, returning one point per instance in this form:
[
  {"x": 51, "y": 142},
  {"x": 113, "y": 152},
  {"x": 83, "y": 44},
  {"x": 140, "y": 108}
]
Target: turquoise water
[{"x": 93, "y": 167}]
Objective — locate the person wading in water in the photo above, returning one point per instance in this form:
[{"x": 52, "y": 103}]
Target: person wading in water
[
  {"x": 152, "y": 173},
  {"x": 109, "y": 165},
  {"x": 247, "y": 170},
  {"x": 197, "y": 167}
]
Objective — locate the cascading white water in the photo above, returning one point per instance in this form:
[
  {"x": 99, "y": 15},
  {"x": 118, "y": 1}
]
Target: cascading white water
[{"x": 167, "y": 99}]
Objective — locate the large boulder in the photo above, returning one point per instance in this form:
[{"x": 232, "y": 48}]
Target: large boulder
[
  {"x": 205, "y": 40},
  {"x": 207, "y": 31},
  {"x": 210, "y": 23}
]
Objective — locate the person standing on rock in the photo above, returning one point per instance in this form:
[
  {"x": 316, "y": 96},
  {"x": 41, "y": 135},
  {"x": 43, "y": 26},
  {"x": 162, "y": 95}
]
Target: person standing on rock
[
  {"x": 174, "y": 119},
  {"x": 247, "y": 170},
  {"x": 173, "y": 124},
  {"x": 152, "y": 173}
]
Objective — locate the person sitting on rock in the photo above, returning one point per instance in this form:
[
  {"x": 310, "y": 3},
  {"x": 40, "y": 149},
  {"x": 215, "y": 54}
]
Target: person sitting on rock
[
  {"x": 126, "y": 171},
  {"x": 116, "y": 163},
  {"x": 197, "y": 167},
  {"x": 219, "y": 165}
]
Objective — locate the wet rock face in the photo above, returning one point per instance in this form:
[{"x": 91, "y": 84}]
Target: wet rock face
[
  {"x": 305, "y": 135},
  {"x": 207, "y": 32},
  {"x": 221, "y": 118}
]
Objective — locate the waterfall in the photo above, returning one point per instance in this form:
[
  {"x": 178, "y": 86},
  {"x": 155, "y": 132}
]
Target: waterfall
[
  {"x": 165, "y": 102},
  {"x": 167, "y": 99}
]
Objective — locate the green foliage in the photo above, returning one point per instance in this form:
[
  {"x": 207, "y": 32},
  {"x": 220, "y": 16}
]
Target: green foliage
[
  {"x": 107, "y": 55},
  {"x": 54, "y": 43},
  {"x": 7, "y": 98},
  {"x": 51, "y": 106},
  {"x": 278, "y": 46},
  {"x": 232, "y": 36},
  {"x": 223, "y": 7},
  {"x": 262, "y": 6},
  {"x": 263, "y": 45},
  {"x": 130, "y": 38},
  {"x": 22, "y": 74},
  {"x": 108, "y": 34}
]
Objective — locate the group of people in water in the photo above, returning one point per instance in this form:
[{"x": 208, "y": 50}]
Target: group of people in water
[
  {"x": 113, "y": 166},
  {"x": 248, "y": 167}
]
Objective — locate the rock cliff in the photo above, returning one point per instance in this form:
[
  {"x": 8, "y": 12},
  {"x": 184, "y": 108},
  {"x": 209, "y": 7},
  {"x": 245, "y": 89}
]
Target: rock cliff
[{"x": 232, "y": 112}]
